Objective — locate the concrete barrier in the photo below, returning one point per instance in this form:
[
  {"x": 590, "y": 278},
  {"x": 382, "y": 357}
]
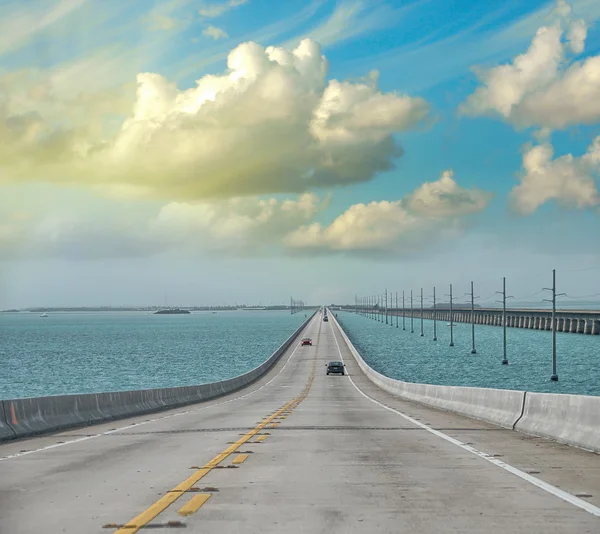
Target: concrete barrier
[
  {"x": 5, "y": 431},
  {"x": 36, "y": 415},
  {"x": 570, "y": 419},
  {"x": 497, "y": 406}
]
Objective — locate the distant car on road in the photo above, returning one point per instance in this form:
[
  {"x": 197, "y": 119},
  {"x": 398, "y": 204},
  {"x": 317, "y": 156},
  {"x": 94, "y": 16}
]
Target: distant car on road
[
  {"x": 325, "y": 319},
  {"x": 336, "y": 367},
  {"x": 306, "y": 341}
]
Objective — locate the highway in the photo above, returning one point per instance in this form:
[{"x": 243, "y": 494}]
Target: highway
[{"x": 299, "y": 451}]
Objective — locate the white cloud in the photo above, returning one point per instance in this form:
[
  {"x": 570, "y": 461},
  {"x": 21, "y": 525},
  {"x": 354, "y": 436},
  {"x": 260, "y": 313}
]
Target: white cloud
[
  {"x": 234, "y": 227},
  {"x": 240, "y": 225},
  {"x": 161, "y": 22},
  {"x": 270, "y": 124},
  {"x": 353, "y": 18},
  {"x": 214, "y": 33},
  {"x": 193, "y": 62},
  {"x": 570, "y": 180},
  {"x": 213, "y": 10},
  {"x": 168, "y": 15},
  {"x": 401, "y": 227},
  {"x": 543, "y": 87},
  {"x": 21, "y": 20}
]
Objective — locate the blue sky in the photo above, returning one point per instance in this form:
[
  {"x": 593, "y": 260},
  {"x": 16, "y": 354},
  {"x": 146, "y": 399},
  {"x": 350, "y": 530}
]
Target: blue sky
[{"x": 162, "y": 147}]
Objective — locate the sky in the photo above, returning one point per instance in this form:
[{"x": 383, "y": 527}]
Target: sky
[{"x": 186, "y": 152}]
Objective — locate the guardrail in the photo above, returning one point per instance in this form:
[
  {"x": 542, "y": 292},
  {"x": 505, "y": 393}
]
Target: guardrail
[
  {"x": 570, "y": 419},
  {"x": 37, "y": 415}
]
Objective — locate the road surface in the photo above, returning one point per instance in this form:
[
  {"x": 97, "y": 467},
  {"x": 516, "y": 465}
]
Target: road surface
[{"x": 298, "y": 452}]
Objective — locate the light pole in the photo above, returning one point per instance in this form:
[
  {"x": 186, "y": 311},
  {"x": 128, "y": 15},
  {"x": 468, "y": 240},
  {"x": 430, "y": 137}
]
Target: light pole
[
  {"x": 386, "y": 306},
  {"x": 504, "y": 297},
  {"x": 451, "y": 320},
  {"x": 412, "y": 330},
  {"x": 473, "y": 297},
  {"x": 403, "y": 313},
  {"x": 554, "y": 376},
  {"x": 434, "y": 317},
  {"x": 422, "y": 312}
]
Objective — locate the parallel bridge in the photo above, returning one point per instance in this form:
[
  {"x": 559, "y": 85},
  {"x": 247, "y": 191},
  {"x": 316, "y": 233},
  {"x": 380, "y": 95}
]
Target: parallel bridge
[{"x": 573, "y": 321}]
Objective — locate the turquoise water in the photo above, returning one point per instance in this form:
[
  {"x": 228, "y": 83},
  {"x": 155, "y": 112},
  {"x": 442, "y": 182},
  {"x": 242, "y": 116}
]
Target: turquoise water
[
  {"x": 92, "y": 352},
  {"x": 412, "y": 358}
]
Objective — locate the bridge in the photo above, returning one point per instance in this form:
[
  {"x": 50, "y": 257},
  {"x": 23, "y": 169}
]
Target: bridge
[
  {"x": 287, "y": 448},
  {"x": 573, "y": 321}
]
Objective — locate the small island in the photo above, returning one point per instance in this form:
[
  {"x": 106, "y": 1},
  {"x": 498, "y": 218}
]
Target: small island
[{"x": 175, "y": 311}]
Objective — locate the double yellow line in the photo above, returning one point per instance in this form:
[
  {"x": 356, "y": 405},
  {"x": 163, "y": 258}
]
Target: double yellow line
[{"x": 171, "y": 496}]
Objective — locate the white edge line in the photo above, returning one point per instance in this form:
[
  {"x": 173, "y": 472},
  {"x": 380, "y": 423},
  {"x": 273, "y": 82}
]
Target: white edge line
[
  {"x": 557, "y": 492},
  {"x": 120, "y": 429}
]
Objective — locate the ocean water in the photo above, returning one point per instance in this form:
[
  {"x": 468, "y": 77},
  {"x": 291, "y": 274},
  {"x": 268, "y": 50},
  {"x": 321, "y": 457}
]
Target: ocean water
[
  {"x": 112, "y": 351},
  {"x": 404, "y": 356}
]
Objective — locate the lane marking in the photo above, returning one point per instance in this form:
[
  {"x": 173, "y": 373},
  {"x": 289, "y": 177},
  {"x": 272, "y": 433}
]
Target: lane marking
[
  {"x": 240, "y": 459},
  {"x": 557, "y": 492},
  {"x": 261, "y": 438},
  {"x": 194, "y": 504},
  {"x": 142, "y": 519},
  {"x": 120, "y": 429}
]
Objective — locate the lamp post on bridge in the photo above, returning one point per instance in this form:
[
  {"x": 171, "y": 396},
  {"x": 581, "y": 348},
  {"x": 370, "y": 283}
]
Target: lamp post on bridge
[
  {"x": 386, "y": 306},
  {"x": 434, "y": 317},
  {"x": 422, "y": 334},
  {"x": 473, "y": 297},
  {"x": 504, "y": 297},
  {"x": 412, "y": 330},
  {"x": 403, "y": 313},
  {"x": 451, "y": 319},
  {"x": 554, "y": 376}
]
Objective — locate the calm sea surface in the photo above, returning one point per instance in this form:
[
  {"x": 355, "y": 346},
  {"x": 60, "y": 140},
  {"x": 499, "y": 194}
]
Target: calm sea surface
[
  {"x": 92, "y": 352},
  {"x": 412, "y": 358}
]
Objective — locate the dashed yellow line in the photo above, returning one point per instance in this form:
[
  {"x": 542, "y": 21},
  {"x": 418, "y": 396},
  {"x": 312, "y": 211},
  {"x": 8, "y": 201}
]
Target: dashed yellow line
[
  {"x": 240, "y": 459},
  {"x": 141, "y": 520},
  {"x": 194, "y": 504}
]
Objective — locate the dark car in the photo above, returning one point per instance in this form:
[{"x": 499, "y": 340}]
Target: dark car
[
  {"x": 336, "y": 367},
  {"x": 306, "y": 341},
  {"x": 325, "y": 318}
]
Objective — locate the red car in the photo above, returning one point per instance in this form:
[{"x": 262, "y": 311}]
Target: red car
[{"x": 306, "y": 341}]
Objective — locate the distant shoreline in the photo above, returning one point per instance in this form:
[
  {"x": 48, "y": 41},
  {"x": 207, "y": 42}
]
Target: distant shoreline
[{"x": 152, "y": 309}]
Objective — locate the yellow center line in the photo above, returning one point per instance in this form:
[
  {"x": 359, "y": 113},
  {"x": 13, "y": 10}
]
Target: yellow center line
[{"x": 142, "y": 519}]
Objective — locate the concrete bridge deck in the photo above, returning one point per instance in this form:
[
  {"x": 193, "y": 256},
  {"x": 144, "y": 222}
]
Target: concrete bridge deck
[
  {"x": 576, "y": 322},
  {"x": 312, "y": 453}
]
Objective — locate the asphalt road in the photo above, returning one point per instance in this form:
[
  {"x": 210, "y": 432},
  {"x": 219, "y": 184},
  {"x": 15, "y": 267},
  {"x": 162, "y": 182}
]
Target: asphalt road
[{"x": 299, "y": 451}]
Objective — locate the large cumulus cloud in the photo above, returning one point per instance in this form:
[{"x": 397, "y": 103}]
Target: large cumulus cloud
[
  {"x": 570, "y": 180},
  {"x": 394, "y": 228},
  {"x": 272, "y": 123},
  {"x": 546, "y": 86}
]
